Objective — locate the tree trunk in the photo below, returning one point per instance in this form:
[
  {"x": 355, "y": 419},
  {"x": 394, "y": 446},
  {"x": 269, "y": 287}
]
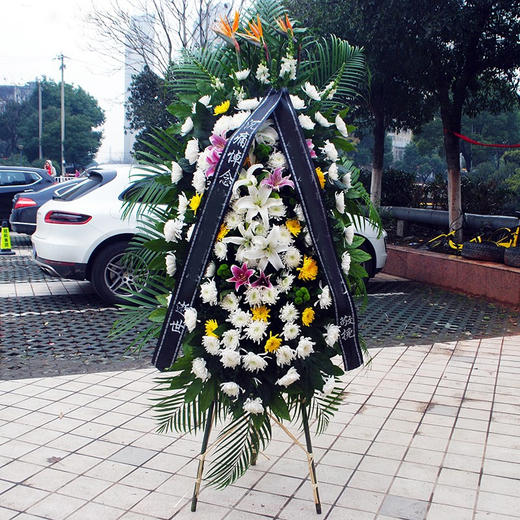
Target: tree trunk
[
  {"x": 377, "y": 159},
  {"x": 451, "y": 120}
]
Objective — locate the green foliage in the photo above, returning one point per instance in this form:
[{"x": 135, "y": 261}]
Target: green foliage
[{"x": 19, "y": 125}]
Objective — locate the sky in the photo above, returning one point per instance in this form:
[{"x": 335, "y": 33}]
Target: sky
[{"x": 34, "y": 32}]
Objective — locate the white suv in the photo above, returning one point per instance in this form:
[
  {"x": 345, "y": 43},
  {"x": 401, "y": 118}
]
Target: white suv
[{"x": 81, "y": 235}]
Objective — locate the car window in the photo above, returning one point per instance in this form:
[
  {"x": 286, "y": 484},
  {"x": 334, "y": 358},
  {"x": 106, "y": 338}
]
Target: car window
[
  {"x": 93, "y": 181},
  {"x": 32, "y": 177},
  {"x": 14, "y": 178}
]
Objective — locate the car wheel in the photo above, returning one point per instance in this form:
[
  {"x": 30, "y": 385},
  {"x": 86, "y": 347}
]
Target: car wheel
[
  {"x": 114, "y": 273},
  {"x": 512, "y": 256}
]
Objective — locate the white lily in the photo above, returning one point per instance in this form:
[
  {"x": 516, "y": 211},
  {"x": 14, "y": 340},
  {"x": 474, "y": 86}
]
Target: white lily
[
  {"x": 267, "y": 250},
  {"x": 258, "y": 202},
  {"x": 246, "y": 178}
]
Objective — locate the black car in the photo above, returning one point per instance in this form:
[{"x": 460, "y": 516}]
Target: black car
[
  {"x": 26, "y": 205},
  {"x": 16, "y": 179}
]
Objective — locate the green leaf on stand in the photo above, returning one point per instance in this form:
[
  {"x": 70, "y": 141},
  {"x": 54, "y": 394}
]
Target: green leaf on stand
[
  {"x": 193, "y": 390},
  {"x": 279, "y": 407},
  {"x": 158, "y": 315}
]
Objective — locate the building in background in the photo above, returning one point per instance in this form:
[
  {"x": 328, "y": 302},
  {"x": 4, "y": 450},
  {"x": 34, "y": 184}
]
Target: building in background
[
  {"x": 15, "y": 93},
  {"x": 400, "y": 141},
  {"x": 134, "y": 63}
]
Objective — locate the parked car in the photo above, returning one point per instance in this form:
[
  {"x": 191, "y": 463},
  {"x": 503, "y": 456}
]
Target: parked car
[
  {"x": 26, "y": 205},
  {"x": 80, "y": 234},
  {"x": 16, "y": 179}
]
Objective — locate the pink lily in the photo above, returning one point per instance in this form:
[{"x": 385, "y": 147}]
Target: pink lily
[
  {"x": 212, "y": 159},
  {"x": 276, "y": 181},
  {"x": 241, "y": 275},
  {"x": 263, "y": 280},
  {"x": 310, "y": 144},
  {"x": 218, "y": 141}
]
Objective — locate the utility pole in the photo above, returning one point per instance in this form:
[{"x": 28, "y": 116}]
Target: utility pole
[
  {"x": 40, "y": 125},
  {"x": 62, "y": 67}
]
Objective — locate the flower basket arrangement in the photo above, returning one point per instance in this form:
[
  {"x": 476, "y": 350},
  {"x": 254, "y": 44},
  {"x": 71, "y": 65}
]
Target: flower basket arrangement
[{"x": 248, "y": 221}]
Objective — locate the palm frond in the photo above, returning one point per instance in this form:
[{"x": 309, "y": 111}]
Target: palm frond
[
  {"x": 323, "y": 407},
  {"x": 235, "y": 448}
]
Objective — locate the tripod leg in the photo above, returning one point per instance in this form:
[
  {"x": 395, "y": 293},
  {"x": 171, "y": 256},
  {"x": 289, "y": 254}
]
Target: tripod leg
[
  {"x": 312, "y": 469},
  {"x": 205, "y": 439}
]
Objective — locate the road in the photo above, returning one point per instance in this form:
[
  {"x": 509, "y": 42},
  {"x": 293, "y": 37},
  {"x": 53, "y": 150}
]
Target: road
[{"x": 53, "y": 327}]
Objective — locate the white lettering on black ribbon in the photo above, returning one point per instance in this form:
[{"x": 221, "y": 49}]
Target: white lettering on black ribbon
[{"x": 212, "y": 213}]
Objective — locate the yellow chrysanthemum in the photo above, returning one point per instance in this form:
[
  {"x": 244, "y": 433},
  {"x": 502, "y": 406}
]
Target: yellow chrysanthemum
[
  {"x": 195, "y": 202},
  {"x": 308, "y": 316},
  {"x": 273, "y": 343},
  {"x": 260, "y": 313},
  {"x": 211, "y": 327},
  {"x": 309, "y": 269},
  {"x": 294, "y": 226},
  {"x": 321, "y": 177},
  {"x": 222, "y": 108},
  {"x": 223, "y": 231}
]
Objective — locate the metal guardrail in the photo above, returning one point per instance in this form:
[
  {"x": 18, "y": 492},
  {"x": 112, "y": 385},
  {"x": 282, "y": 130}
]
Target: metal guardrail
[{"x": 440, "y": 218}]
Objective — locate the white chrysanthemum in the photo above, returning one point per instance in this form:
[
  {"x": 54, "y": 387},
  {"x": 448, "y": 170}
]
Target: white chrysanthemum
[
  {"x": 253, "y": 406},
  {"x": 190, "y": 318},
  {"x": 278, "y": 211},
  {"x": 230, "y": 388},
  {"x": 223, "y": 125},
  {"x": 325, "y": 299},
  {"x": 289, "y": 378},
  {"x": 192, "y": 150},
  {"x": 221, "y": 250},
  {"x": 311, "y": 91},
  {"x": 331, "y": 335},
  {"x": 277, "y": 160},
  {"x": 292, "y": 257},
  {"x": 256, "y": 330},
  {"x": 285, "y": 237},
  {"x": 297, "y": 102},
  {"x": 306, "y": 122},
  {"x": 230, "y": 358},
  {"x": 208, "y": 292},
  {"x": 205, "y": 100},
  {"x": 187, "y": 127},
  {"x": 333, "y": 172},
  {"x": 173, "y": 230},
  {"x": 289, "y": 313},
  {"x": 248, "y": 104},
  {"x": 347, "y": 180},
  {"x": 288, "y": 67},
  {"x": 182, "y": 204},
  {"x": 340, "y": 202},
  {"x": 233, "y": 220},
  {"x": 239, "y": 118},
  {"x": 210, "y": 270},
  {"x": 262, "y": 74},
  {"x": 253, "y": 296},
  {"x": 329, "y": 385},
  {"x": 239, "y": 319},
  {"x": 349, "y": 234},
  {"x": 298, "y": 210},
  {"x": 199, "y": 181},
  {"x": 176, "y": 172},
  {"x": 341, "y": 126},
  {"x": 305, "y": 347},
  {"x": 253, "y": 362},
  {"x": 231, "y": 339},
  {"x": 171, "y": 264},
  {"x": 241, "y": 75},
  {"x": 345, "y": 262},
  {"x": 284, "y": 355},
  {"x": 211, "y": 344},
  {"x": 270, "y": 295},
  {"x": 260, "y": 229},
  {"x": 290, "y": 331},
  {"x": 198, "y": 368},
  {"x": 285, "y": 282},
  {"x": 230, "y": 302},
  {"x": 322, "y": 120},
  {"x": 330, "y": 151}
]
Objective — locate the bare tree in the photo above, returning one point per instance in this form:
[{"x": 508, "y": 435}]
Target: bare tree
[{"x": 155, "y": 30}]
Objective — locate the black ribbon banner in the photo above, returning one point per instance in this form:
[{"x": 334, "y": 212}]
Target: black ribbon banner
[{"x": 211, "y": 216}]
